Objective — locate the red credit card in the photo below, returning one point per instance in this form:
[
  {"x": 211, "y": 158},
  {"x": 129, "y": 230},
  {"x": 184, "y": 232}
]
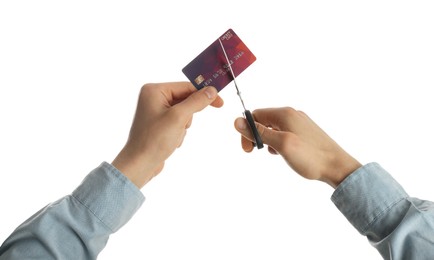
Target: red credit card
[{"x": 210, "y": 68}]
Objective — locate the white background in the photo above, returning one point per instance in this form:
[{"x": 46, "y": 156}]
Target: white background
[{"x": 70, "y": 73}]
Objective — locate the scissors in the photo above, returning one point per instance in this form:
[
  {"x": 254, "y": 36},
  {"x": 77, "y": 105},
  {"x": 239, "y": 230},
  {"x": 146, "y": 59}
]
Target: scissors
[{"x": 247, "y": 114}]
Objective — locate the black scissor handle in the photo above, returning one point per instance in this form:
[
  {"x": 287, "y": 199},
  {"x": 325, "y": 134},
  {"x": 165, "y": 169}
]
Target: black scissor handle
[{"x": 258, "y": 141}]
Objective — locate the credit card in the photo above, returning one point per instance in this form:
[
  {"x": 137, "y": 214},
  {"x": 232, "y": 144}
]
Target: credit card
[{"x": 210, "y": 67}]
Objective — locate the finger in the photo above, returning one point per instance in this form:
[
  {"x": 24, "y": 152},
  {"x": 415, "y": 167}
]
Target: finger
[
  {"x": 171, "y": 92},
  {"x": 269, "y": 136},
  {"x": 218, "y": 102},
  {"x": 182, "y": 138},
  {"x": 178, "y": 91},
  {"x": 247, "y": 144},
  {"x": 189, "y": 123},
  {"x": 246, "y": 136},
  {"x": 277, "y": 118},
  {"x": 198, "y": 100},
  {"x": 271, "y": 150}
]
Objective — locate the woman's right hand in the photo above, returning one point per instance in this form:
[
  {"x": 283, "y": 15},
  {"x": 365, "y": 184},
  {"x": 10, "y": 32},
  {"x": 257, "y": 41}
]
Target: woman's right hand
[{"x": 306, "y": 148}]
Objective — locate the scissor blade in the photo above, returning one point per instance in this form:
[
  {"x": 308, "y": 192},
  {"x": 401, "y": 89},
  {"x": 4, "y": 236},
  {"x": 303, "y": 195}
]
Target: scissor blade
[{"x": 233, "y": 75}]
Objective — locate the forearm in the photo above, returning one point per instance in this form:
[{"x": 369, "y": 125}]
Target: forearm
[{"x": 78, "y": 225}]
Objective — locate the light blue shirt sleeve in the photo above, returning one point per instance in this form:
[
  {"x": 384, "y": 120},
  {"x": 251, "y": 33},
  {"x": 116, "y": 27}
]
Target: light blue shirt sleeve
[
  {"x": 398, "y": 226},
  {"x": 77, "y": 226}
]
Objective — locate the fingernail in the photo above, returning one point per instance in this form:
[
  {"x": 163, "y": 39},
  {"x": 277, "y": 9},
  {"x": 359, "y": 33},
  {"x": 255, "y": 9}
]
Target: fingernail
[
  {"x": 241, "y": 124},
  {"x": 211, "y": 92}
]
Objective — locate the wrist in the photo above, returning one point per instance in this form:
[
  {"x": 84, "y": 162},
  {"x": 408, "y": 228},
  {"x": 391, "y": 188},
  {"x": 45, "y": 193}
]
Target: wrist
[
  {"x": 340, "y": 170},
  {"x": 137, "y": 168}
]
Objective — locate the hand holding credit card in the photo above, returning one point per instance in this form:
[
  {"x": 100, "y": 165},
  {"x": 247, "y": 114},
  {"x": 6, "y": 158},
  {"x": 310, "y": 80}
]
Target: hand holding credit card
[{"x": 221, "y": 63}]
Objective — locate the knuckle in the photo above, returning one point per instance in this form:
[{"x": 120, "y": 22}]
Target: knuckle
[
  {"x": 148, "y": 88},
  {"x": 289, "y": 111}
]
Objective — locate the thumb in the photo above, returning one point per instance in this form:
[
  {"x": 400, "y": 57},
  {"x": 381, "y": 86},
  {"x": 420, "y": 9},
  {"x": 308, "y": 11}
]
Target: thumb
[
  {"x": 198, "y": 100},
  {"x": 269, "y": 136}
]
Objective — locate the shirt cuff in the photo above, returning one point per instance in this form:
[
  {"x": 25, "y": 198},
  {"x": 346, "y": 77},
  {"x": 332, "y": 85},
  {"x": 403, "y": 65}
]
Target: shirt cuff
[
  {"x": 367, "y": 195},
  {"x": 109, "y": 195}
]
